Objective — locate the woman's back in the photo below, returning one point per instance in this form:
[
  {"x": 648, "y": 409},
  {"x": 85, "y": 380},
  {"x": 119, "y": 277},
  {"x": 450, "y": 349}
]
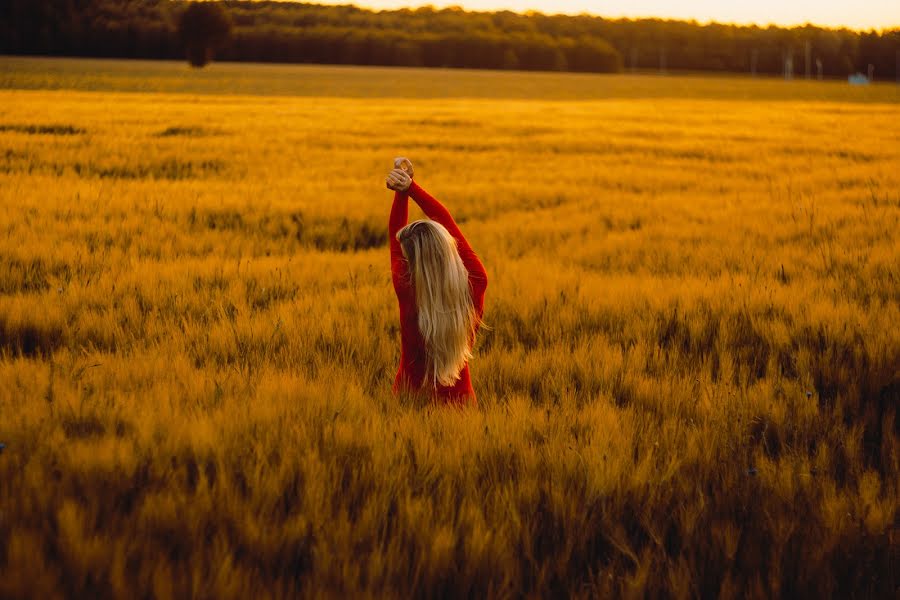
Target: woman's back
[{"x": 414, "y": 357}]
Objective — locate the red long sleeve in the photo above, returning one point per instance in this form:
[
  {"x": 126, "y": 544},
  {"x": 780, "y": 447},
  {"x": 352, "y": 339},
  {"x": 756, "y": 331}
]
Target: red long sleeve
[
  {"x": 436, "y": 211},
  {"x": 399, "y": 217}
]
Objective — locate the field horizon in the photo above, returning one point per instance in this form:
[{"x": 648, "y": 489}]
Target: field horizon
[
  {"x": 348, "y": 81},
  {"x": 689, "y": 387}
]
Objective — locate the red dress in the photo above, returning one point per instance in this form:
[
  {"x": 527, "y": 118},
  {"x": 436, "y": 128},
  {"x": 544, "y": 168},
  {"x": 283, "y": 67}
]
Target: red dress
[{"x": 412, "y": 369}]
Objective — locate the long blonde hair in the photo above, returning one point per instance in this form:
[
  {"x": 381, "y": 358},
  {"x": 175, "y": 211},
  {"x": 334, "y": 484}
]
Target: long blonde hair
[{"x": 446, "y": 313}]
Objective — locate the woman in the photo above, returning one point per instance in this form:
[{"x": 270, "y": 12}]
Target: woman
[{"x": 440, "y": 284}]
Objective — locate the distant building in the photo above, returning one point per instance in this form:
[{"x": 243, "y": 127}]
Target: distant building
[{"x": 858, "y": 79}]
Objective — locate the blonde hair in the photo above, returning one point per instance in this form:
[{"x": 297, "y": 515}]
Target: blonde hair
[{"x": 446, "y": 313}]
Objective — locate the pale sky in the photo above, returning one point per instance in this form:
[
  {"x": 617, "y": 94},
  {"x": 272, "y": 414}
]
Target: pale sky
[{"x": 856, "y": 14}]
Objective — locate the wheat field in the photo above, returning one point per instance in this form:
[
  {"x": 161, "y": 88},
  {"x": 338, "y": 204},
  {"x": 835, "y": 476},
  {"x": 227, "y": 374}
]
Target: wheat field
[{"x": 689, "y": 387}]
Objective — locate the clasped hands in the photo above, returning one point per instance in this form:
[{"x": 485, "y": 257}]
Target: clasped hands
[{"x": 400, "y": 177}]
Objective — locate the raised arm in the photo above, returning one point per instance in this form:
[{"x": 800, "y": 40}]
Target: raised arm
[
  {"x": 398, "y": 219},
  {"x": 437, "y": 212}
]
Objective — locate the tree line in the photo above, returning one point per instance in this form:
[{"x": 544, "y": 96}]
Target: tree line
[{"x": 294, "y": 32}]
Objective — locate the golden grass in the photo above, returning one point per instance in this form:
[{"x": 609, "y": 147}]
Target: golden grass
[
  {"x": 689, "y": 389},
  {"x": 401, "y": 82}
]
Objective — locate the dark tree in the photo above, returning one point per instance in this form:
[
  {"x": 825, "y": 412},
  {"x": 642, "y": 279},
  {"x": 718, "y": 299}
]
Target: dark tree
[
  {"x": 302, "y": 32},
  {"x": 203, "y": 27}
]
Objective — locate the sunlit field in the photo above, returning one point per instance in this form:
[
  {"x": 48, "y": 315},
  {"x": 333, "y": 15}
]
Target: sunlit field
[{"x": 689, "y": 387}]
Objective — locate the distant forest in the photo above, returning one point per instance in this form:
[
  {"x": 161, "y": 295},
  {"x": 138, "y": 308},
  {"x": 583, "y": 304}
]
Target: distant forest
[{"x": 308, "y": 33}]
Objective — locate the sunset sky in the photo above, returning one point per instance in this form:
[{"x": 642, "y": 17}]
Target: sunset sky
[{"x": 860, "y": 14}]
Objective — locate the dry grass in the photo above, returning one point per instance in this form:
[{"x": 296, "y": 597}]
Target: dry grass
[
  {"x": 400, "y": 82},
  {"x": 690, "y": 386}
]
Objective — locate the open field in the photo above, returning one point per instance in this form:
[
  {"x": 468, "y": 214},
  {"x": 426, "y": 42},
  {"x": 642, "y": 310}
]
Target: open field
[
  {"x": 689, "y": 387},
  {"x": 386, "y": 82}
]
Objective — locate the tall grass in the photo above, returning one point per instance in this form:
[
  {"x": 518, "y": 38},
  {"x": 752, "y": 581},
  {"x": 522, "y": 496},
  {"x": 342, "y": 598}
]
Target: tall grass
[{"x": 689, "y": 389}]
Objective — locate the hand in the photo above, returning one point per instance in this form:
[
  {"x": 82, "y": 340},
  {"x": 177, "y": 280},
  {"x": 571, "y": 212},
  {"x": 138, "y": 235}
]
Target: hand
[
  {"x": 398, "y": 180},
  {"x": 403, "y": 163}
]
